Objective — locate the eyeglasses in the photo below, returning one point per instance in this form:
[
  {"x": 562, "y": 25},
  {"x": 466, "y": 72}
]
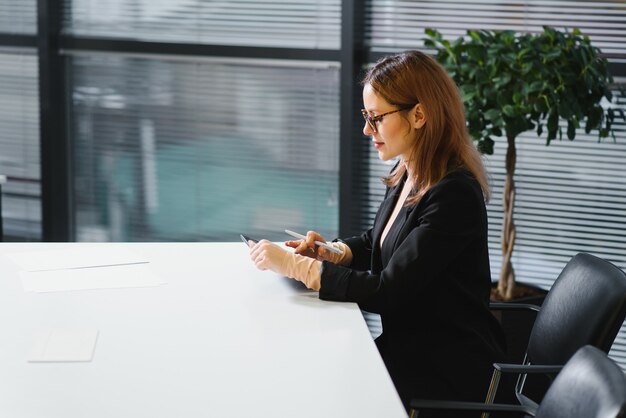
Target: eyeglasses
[{"x": 372, "y": 121}]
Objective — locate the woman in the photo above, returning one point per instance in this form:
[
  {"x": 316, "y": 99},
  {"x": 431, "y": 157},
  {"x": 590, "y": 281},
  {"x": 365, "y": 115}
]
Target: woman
[{"x": 424, "y": 265}]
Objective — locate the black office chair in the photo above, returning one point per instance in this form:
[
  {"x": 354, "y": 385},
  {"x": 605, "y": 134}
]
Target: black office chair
[
  {"x": 590, "y": 385},
  {"x": 586, "y": 305}
]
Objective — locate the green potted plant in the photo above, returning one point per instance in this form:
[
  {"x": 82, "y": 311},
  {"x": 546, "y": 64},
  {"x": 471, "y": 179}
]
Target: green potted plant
[{"x": 514, "y": 82}]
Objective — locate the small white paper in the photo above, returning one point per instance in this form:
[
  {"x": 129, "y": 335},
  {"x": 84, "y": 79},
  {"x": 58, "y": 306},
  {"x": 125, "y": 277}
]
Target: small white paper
[
  {"x": 63, "y": 345},
  {"x": 110, "y": 277},
  {"x": 70, "y": 258}
]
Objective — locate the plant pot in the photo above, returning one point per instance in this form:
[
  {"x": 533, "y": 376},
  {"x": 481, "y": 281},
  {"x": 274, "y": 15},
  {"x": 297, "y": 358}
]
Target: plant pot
[{"x": 517, "y": 324}]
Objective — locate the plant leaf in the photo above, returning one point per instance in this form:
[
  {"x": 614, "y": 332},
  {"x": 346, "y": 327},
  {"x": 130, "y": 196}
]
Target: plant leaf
[
  {"x": 514, "y": 82},
  {"x": 509, "y": 111},
  {"x": 571, "y": 130},
  {"x": 492, "y": 114},
  {"x": 485, "y": 146}
]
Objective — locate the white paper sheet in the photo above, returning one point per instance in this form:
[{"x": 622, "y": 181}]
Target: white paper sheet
[
  {"x": 74, "y": 258},
  {"x": 63, "y": 345},
  {"x": 110, "y": 277}
]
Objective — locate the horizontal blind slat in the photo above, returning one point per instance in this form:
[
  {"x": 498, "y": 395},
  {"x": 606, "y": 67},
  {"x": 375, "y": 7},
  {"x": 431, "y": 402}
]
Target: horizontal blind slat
[
  {"x": 397, "y": 25},
  {"x": 292, "y": 23}
]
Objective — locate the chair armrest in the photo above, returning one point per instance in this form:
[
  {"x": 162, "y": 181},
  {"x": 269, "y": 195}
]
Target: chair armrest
[
  {"x": 514, "y": 306},
  {"x": 527, "y": 368},
  {"x": 419, "y": 404}
]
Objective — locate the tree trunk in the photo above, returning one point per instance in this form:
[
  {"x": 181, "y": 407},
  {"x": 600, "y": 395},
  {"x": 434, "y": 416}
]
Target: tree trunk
[{"x": 506, "y": 283}]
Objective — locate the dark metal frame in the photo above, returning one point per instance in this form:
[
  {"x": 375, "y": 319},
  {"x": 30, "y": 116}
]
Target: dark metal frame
[
  {"x": 56, "y": 147},
  {"x": 18, "y": 40},
  {"x": 352, "y": 60},
  {"x": 195, "y": 50}
]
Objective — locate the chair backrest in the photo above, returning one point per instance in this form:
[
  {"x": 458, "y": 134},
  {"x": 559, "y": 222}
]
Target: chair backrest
[
  {"x": 586, "y": 305},
  {"x": 590, "y": 385}
]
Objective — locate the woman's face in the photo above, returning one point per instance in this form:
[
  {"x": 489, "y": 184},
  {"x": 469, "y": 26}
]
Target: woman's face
[{"x": 394, "y": 136}]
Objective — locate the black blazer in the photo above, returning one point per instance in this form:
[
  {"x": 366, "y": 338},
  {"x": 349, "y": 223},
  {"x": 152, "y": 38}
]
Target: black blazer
[{"x": 430, "y": 283}]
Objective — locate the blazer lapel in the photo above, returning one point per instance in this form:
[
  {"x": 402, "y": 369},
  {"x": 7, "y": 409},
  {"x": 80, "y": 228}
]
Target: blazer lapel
[
  {"x": 386, "y": 207},
  {"x": 391, "y": 242}
]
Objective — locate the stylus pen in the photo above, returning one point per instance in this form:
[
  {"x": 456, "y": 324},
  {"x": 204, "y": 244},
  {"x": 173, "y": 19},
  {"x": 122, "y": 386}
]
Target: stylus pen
[{"x": 320, "y": 243}]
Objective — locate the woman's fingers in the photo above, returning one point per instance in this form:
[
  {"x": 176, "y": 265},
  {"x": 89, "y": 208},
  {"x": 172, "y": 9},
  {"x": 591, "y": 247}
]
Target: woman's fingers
[
  {"x": 292, "y": 244},
  {"x": 300, "y": 247},
  {"x": 268, "y": 256},
  {"x": 311, "y": 237},
  {"x": 261, "y": 252},
  {"x": 257, "y": 254}
]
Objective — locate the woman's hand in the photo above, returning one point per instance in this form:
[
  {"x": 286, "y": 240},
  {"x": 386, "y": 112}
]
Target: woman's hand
[
  {"x": 268, "y": 256},
  {"x": 307, "y": 246}
]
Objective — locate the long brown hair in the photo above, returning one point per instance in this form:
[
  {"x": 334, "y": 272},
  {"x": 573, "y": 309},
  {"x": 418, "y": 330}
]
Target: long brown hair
[{"x": 443, "y": 143}]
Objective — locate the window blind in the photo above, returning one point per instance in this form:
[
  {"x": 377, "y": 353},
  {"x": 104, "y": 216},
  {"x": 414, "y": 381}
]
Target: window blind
[
  {"x": 18, "y": 17},
  {"x": 278, "y": 23},
  {"x": 570, "y": 195},
  {"x": 19, "y": 143},
  {"x": 175, "y": 149},
  {"x": 394, "y": 25}
]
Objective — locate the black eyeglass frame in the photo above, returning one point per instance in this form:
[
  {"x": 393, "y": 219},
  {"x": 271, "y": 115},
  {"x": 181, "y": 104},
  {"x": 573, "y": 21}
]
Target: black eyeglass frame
[{"x": 373, "y": 120}]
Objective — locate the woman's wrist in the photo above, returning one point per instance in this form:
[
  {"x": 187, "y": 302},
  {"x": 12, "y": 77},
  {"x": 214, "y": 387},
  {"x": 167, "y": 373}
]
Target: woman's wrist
[
  {"x": 343, "y": 259},
  {"x": 303, "y": 269}
]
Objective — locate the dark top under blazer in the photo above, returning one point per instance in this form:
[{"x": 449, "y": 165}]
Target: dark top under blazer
[{"x": 430, "y": 283}]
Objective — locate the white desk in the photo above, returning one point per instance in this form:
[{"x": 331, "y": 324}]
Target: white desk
[{"x": 220, "y": 339}]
